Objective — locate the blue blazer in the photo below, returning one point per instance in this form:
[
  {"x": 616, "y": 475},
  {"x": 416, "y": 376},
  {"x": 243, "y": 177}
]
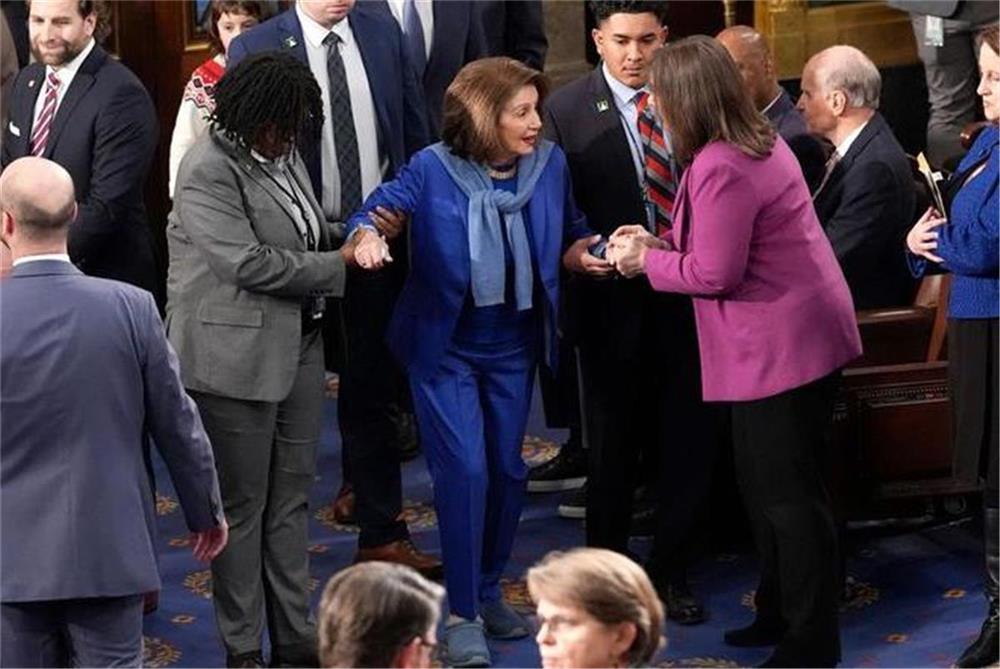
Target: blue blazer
[
  {"x": 969, "y": 243},
  {"x": 432, "y": 298},
  {"x": 88, "y": 379},
  {"x": 458, "y": 39},
  {"x": 104, "y": 134},
  {"x": 398, "y": 96}
]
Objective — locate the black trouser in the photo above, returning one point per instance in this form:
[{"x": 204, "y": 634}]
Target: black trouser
[
  {"x": 779, "y": 444},
  {"x": 370, "y": 383},
  {"x": 972, "y": 380},
  {"x": 648, "y": 400}
]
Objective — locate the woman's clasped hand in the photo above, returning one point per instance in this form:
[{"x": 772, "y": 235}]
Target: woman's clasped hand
[{"x": 627, "y": 248}]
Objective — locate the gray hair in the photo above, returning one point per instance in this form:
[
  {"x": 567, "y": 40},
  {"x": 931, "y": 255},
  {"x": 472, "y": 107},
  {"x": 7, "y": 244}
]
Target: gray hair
[{"x": 847, "y": 69}]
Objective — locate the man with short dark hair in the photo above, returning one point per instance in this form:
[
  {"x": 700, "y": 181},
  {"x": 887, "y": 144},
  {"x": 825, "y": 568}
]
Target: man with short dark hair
[
  {"x": 88, "y": 378},
  {"x": 83, "y": 109},
  {"x": 639, "y": 369},
  {"x": 866, "y": 199}
]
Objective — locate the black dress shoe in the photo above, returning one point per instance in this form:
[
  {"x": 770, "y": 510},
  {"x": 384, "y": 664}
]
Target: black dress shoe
[
  {"x": 985, "y": 650},
  {"x": 252, "y": 659},
  {"x": 682, "y": 606},
  {"x": 566, "y": 471}
]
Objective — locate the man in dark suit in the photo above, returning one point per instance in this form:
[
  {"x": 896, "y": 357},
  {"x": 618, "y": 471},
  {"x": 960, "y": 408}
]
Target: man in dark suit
[
  {"x": 516, "y": 29},
  {"x": 440, "y": 36},
  {"x": 638, "y": 352},
  {"x": 867, "y": 197},
  {"x": 750, "y": 52},
  {"x": 89, "y": 113},
  {"x": 375, "y": 119},
  {"x": 88, "y": 377}
]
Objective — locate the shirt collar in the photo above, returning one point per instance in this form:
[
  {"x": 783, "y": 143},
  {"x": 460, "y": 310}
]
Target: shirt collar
[
  {"x": 772, "y": 102},
  {"x": 845, "y": 146},
  {"x": 624, "y": 95},
  {"x": 68, "y": 71},
  {"x": 64, "y": 257},
  {"x": 315, "y": 33}
]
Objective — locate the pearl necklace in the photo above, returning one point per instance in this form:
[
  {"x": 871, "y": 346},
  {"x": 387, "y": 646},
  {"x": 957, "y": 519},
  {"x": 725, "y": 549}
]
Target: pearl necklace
[{"x": 503, "y": 173}]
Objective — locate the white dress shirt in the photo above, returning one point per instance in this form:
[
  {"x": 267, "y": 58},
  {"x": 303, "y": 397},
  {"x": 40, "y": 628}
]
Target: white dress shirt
[
  {"x": 845, "y": 146},
  {"x": 373, "y": 167},
  {"x": 625, "y": 101},
  {"x": 65, "y": 74},
  {"x": 42, "y": 256},
  {"x": 425, "y": 12}
]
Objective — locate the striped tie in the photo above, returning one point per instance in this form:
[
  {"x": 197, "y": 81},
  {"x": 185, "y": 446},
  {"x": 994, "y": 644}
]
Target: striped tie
[
  {"x": 40, "y": 135},
  {"x": 661, "y": 183}
]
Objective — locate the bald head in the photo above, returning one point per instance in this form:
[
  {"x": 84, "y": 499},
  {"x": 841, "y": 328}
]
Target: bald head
[
  {"x": 750, "y": 52},
  {"x": 38, "y": 195},
  {"x": 847, "y": 69}
]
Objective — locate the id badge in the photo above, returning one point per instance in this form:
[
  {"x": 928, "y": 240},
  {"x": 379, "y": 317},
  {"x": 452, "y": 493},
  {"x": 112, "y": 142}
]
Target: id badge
[
  {"x": 934, "y": 31},
  {"x": 317, "y": 306}
]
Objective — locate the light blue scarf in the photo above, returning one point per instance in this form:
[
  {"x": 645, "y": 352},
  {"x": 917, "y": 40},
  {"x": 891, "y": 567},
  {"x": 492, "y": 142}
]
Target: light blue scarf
[{"x": 486, "y": 205}]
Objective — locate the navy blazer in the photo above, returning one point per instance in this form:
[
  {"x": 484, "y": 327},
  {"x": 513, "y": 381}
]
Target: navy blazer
[
  {"x": 399, "y": 100},
  {"x": 434, "y": 294},
  {"x": 516, "y": 29},
  {"x": 88, "y": 378},
  {"x": 457, "y": 39},
  {"x": 789, "y": 123},
  {"x": 104, "y": 134},
  {"x": 603, "y": 314},
  {"x": 867, "y": 207}
]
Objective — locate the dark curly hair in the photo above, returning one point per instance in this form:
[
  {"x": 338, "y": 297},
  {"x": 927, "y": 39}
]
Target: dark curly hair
[
  {"x": 602, "y": 9},
  {"x": 270, "y": 91}
]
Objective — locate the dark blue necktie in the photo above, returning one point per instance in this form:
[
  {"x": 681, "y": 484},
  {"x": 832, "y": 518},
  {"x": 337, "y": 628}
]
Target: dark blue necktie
[
  {"x": 345, "y": 137},
  {"x": 413, "y": 34}
]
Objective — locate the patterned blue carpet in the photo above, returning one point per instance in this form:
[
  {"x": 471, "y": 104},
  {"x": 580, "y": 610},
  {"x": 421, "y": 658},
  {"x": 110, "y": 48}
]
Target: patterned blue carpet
[{"x": 916, "y": 601}]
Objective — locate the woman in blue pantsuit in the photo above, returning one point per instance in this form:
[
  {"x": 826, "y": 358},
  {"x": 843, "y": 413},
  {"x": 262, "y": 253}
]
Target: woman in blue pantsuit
[{"x": 491, "y": 214}]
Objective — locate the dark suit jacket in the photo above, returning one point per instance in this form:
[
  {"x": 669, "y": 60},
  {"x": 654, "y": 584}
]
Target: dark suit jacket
[
  {"x": 789, "y": 123},
  {"x": 399, "y": 100},
  {"x": 603, "y": 313},
  {"x": 515, "y": 28},
  {"x": 457, "y": 39},
  {"x": 88, "y": 377},
  {"x": 866, "y": 208},
  {"x": 104, "y": 134}
]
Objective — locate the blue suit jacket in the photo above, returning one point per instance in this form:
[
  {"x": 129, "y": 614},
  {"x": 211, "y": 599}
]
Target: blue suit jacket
[
  {"x": 458, "y": 38},
  {"x": 440, "y": 269},
  {"x": 87, "y": 378},
  {"x": 399, "y": 100},
  {"x": 866, "y": 207},
  {"x": 104, "y": 134}
]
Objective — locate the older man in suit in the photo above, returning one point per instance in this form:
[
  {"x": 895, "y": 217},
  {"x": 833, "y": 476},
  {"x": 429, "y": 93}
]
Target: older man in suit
[
  {"x": 603, "y": 123},
  {"x": 866, "y": 199},
  {"x": 750, "y": 52},
  {"x": 375, "y": 119},
  {"x": 88, "y": 377},
  {"x": 86, "y": 111}
]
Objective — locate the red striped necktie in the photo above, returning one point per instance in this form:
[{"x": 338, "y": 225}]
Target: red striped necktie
[
  {"x": 40, "y": 135},
  {"x": 661, "y": 182}
]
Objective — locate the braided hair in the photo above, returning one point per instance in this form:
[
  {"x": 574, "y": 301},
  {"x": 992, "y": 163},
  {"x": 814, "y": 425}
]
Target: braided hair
[{"x": 270, "y": 91}]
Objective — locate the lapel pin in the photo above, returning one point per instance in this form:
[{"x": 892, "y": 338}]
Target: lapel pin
[
  {"x": 603, "y": 106},
  {"x": 290, "y": 42},
  {"x": 31, "y": 83}
]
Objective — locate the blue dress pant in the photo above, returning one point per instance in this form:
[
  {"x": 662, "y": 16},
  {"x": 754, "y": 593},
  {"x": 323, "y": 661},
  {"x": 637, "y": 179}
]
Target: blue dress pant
[{"x": 472, "y": 414}]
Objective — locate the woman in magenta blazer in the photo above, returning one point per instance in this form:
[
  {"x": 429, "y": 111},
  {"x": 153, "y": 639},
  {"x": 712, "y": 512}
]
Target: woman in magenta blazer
[{"x": 775, "y": 325}]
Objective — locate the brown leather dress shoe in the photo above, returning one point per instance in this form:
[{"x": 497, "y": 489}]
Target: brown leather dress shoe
[
  {"x": 403, "y": 552},
  {"x": 343, "y": 505}
]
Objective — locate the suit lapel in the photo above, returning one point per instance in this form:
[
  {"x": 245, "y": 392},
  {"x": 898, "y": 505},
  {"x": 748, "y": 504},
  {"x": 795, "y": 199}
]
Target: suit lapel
[
  {"x": 606, "y": 116},
  {"x": 23, "y": 115},
  {"x": 82, "y": 82},
  {"x": 305, "y": 185},
  {"x": 290, "y": 36},
  {"x": 444, "y": 24}
]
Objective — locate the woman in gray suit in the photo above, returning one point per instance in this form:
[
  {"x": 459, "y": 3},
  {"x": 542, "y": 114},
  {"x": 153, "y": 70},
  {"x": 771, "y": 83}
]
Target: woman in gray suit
[{"x": 251, "y": 267}]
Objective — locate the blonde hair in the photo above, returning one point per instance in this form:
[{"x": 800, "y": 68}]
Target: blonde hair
[
  {"x": 608, "y": 586},
  {"x": 372, "y": 610},
  {"x": 475, "y": 99}
]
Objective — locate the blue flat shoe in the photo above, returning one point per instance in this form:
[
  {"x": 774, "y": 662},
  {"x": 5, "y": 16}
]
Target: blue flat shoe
[
  {"x": 503, "y": 622},
  {"x": 465, "y": 645}
]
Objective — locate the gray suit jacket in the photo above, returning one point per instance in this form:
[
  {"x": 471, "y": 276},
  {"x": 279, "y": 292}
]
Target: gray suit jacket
[
  {"x": 87, "y": 376},
  {"x": 240, "y": 272}
]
